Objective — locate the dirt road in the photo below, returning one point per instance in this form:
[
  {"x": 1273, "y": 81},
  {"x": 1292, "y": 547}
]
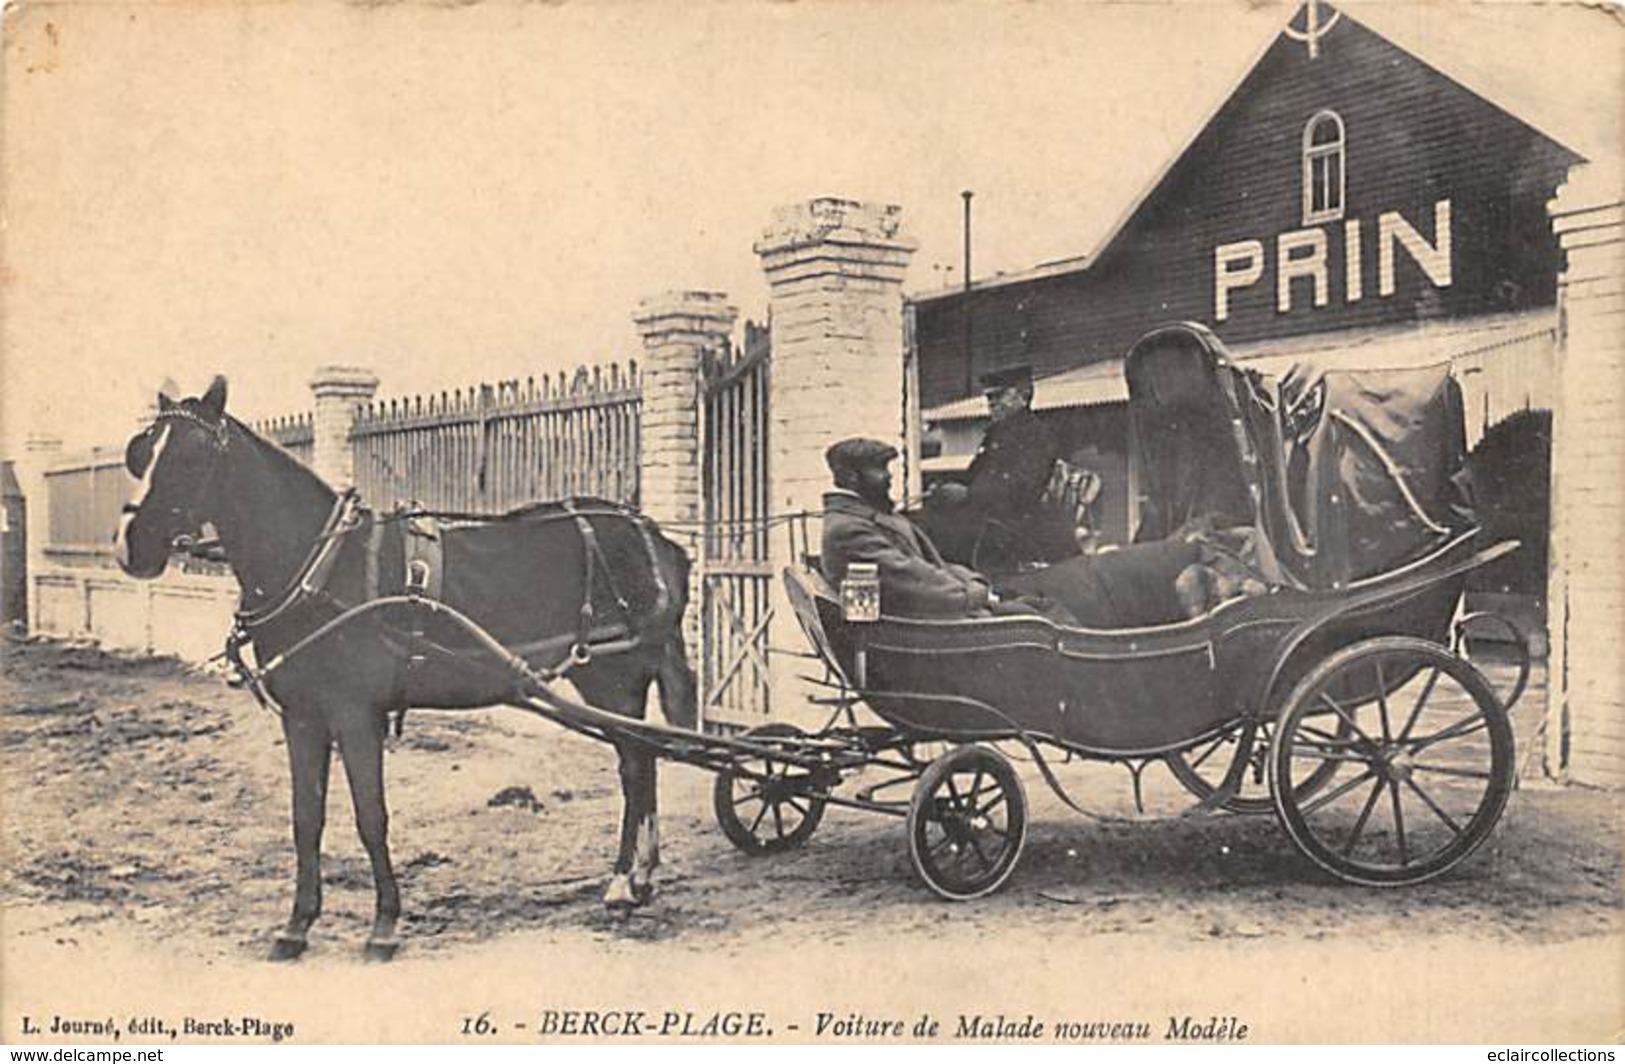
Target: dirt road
[{"x": 147, "y": 860}]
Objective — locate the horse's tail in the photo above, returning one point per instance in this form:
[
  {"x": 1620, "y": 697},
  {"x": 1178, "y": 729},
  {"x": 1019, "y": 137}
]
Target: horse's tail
[{"x": 679, "y": 693}]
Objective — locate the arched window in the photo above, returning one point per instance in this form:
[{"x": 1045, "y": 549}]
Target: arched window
[{"x": 1323, "y": 151}]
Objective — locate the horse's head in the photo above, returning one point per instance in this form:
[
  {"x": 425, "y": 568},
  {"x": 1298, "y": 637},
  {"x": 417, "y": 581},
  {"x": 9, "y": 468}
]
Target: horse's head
[{"x": 176, "y": 460}]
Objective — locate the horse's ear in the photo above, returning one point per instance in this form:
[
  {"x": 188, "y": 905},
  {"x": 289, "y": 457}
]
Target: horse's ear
[{"x": 214, "y": 400}]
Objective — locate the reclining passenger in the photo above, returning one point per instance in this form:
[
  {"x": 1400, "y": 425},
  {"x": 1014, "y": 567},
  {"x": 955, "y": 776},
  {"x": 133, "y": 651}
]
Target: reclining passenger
[
  {"x": 1231, "y": 563},
  {"x": 1162, "y": 582}
]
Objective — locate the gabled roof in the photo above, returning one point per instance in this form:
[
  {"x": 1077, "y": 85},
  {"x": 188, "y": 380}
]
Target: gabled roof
[{"x": 1210, "y": 116}]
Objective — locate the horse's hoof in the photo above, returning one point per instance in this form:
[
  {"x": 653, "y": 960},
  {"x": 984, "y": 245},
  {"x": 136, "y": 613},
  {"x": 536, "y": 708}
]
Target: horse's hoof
[
  {"x": 619, "y": 894},
  {"x": 381, "y": 949},
  {"x": 287, "y": 948},
  {"x": 624, "y": 898}
]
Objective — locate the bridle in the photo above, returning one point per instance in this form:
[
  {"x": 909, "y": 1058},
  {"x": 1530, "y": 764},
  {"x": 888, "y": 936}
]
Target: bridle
[{"x": 219, "y": 435}]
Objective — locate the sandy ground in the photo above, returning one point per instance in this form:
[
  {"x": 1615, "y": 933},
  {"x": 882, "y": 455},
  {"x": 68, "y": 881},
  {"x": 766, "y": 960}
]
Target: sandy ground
[{"x": 147, "y": 859}]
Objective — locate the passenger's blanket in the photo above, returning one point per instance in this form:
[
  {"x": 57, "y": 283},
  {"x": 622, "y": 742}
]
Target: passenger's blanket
[{"x": 1131, "y": 587}]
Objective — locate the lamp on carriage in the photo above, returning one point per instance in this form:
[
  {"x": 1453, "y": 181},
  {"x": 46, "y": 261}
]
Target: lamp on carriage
[{"x": 860, "y": 605}]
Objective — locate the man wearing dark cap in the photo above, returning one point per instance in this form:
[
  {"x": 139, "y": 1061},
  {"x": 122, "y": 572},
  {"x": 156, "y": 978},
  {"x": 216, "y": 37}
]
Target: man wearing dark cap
[
  {"x": 859, "y": 526},
  {"x": 992, "y": 520}
]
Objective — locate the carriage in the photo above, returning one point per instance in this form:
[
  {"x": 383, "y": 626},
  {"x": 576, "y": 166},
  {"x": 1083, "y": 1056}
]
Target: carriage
[
  {"x": 1335, "y": 691},
  {"x": 1340, "y": 699}
]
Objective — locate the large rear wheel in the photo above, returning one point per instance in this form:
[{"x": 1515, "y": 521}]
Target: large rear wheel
[
  {"x": 967, "y": 823},
  {"x": 1423, "y": 754}
]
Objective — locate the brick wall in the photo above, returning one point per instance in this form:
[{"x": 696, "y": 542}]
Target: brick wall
[
  {"x": 835, "y": 273},
  {"x": 1586, "y": 735}
]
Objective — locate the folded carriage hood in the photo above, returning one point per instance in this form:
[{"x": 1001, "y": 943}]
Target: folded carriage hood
[{"x": 1345, "y": 473}]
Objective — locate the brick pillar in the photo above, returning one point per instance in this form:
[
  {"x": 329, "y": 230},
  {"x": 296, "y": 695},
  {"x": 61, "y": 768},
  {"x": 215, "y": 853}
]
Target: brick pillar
[
  {"x": 338, "y": 390},
  {"x": 1586, "y": 716},
  {"x": 835, "y": 277},
  {"x": 677, "y": 329},
  {"x": 40, "y": 453}
]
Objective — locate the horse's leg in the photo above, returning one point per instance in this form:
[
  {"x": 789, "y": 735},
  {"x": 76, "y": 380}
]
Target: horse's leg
[
  {"x": 633, "y": 884},
  {"x": 309, "y": 759},
  {"x": 622, "y": 686},
  {"x": 361, "y": 743}
]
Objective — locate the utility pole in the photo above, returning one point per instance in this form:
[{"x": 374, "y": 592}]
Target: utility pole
[{"x": 965, "y": 312}]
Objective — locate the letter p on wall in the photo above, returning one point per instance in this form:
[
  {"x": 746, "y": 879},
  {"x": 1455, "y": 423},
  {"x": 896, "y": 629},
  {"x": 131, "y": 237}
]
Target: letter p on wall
[{"x": 1234, "y": 266}]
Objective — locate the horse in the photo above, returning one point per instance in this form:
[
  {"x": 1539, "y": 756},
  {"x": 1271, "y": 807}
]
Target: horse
[{"x": 580, "y": 587}]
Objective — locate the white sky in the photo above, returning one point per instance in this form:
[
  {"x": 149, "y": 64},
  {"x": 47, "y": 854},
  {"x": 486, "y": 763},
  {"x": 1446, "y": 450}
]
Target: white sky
[{"x": 453, "y": 194}]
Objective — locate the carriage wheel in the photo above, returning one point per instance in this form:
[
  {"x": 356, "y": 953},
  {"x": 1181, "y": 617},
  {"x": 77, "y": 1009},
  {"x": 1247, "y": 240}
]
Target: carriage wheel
[
  {"x": 967, "y": 823},
  {"x": 1425, "y": 750},
  {"x": 1202, "y": 768},
  {"x": 765, "y": 805}
]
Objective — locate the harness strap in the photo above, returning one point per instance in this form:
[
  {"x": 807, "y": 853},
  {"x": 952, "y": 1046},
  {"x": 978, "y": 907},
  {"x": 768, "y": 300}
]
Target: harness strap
[
  {"x": 580, "y": 653},
  {"x": 315, "y": 572},
  {"x": 236, "y": 639},
  {"x": 310, "y": 577}
]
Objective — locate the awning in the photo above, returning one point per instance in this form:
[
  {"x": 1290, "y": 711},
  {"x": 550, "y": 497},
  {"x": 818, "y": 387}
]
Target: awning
[{"x": 1385, "y": 347}]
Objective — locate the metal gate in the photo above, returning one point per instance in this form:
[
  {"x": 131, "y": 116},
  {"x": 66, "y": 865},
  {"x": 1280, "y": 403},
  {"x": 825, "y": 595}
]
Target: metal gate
[{"x": 735, "y": 573}]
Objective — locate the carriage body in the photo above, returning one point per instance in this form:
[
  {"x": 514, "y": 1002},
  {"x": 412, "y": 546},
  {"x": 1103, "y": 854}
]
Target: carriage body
[
  {"x": 1342, "y": 682},
  {"x": 1118, "y": 693}
]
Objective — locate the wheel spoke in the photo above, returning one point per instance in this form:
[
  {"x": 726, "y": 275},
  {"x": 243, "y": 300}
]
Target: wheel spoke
[
  {"x": 976, "y": 787},
  {"x": 1307, "y": 751},
  {"x": 754, "y": 824},
  {"x": 1343, "y": 713},
  {"x": 1365, "y": 814},
  {"x": 1399, "y": 824},
  {"x": 778, "y": 819},
  {"x": 1338, "y": 792},
  {"x": 804, "y": 810},
  {"x": 1211, "y": 750},
  {"x": 981, "y": 857},
  {"x": 752, "y": 795},
  {"x": 1326, "y": 737},
  {"x": 1421, "y": 700},
  {"x": 1431, "y": 804},
  {"x": 1447, "y": 770},
  {"x": 1382, "y": 702},
  {"x": 998, "y": 800},
  {"x": 1463, "y": 727},
  {"x": 934, "y": 850}
]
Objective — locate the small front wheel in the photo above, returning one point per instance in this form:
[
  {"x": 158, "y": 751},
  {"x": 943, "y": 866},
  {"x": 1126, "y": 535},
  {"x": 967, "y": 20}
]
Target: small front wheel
[
  {"x": 967, "y": 823},
  {"x": 1424, "y": 750},
  {"x": 765, "y": 804}
]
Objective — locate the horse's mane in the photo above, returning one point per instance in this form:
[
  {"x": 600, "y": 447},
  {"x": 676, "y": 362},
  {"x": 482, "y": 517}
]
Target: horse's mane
[{"x": 276, "y": 454}]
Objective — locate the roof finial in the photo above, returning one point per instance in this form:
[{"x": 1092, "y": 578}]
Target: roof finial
[{"x": 1313, "y": 31}]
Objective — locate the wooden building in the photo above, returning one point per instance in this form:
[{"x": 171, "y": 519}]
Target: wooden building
[{"x": 1346, "y": 204}]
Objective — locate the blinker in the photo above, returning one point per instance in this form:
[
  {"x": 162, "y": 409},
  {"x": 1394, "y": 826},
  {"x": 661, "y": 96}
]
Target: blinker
[{"x": 138, "y": 454}]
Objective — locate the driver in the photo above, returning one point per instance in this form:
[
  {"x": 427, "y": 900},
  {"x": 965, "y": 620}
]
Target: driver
[{"x": 994, "y": 518}]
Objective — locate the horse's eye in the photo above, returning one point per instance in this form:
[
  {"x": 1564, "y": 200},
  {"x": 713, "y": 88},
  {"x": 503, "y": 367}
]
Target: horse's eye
[{"x": 138, "y": 455}]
